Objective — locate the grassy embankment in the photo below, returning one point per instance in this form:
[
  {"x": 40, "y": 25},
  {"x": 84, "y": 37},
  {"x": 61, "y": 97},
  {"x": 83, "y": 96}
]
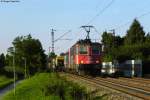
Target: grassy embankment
[
  {"x": 46, "y": 86},
  {"x": 4, "y": 81}
]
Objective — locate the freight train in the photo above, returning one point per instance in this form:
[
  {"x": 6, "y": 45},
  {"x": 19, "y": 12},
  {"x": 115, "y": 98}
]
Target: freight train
[
  {"x": 56, "y": 64},
  {"x": 84, "y": 57},
  {"x": 59, "y": 63},
  {"x": 129, "y": 68}
]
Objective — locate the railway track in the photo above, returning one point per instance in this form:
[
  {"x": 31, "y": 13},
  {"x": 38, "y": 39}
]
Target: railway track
[
  {"x": 144, "y": 79},
  {"x": 127, "y": 82},
  {"x": 133, "y": 91},
  {"x": 138, "y": 80}
]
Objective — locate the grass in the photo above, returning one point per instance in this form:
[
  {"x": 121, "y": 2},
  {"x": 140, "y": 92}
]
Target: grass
[
  {"x": 4, "y": 81},
  {"x": 48, "y": 86}
]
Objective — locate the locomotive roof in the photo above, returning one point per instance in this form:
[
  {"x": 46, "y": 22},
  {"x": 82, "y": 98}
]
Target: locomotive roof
[
  {"x": 84, "y": 42},
  {"x": 87, "y": 41}
]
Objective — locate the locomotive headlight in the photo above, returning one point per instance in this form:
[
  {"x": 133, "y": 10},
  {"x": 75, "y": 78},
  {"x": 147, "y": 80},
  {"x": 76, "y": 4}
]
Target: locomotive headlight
[
  {"x": 81, "y": 61},
  {"x": 97, "y": 61}
]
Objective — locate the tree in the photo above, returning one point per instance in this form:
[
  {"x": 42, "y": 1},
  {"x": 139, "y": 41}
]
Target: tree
[
  {"x": 108, "y": 41},
  {"x": 119, "y": 41},
  {"x": 111, "y": 43},
  {"x": 135, "y": 34},
  {"x": 135, "y": 45},
  {"x": 30, "y": 49},
  {"x": 52, "y": 55},
  {"x": 2, "y": 60},
  {"x": 148, "y": 38}
]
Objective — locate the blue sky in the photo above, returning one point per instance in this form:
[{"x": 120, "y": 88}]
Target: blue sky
[{"x": 37, "y": 17}]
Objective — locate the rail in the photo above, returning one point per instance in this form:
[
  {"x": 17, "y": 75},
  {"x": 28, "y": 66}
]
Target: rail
[{"x": 133, "y": 91}]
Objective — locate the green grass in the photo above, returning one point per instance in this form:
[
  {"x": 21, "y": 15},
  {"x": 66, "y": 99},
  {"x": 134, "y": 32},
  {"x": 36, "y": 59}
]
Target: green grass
[
  {"x": 45, "y": 86},
  {"x": 49, "y": 86},
  {"x": 4, "y": 81}
]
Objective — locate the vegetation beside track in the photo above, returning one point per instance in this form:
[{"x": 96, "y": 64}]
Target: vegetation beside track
[
  {"x": 48, "y": 86},
  {"x": 4, "y": 81}
]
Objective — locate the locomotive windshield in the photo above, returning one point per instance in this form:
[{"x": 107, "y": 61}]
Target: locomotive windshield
[
  {"x": 83, "y": 49},
  {"x": 95, "y": 50}
]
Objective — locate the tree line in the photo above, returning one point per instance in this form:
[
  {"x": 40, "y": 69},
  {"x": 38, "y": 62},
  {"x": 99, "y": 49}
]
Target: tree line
[
  {"x": 28, "y": 56},
  {"x": 134, "y": 45}
]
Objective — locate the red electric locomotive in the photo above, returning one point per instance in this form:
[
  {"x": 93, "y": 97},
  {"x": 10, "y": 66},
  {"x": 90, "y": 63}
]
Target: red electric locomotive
[{"x": 84, "y": 57}]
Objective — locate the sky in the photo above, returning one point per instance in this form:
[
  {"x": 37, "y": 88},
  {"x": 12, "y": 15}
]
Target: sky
[{"x": 38, "y": 17}]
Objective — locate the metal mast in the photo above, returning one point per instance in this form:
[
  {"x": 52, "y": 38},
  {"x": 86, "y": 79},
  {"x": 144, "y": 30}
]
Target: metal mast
[
  {"x": 87, "y": 29},
  {"x": 52, "y": 35},
  {"x": 113, "y": 32}
]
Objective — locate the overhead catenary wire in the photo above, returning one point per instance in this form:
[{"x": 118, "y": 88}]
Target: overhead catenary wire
[
  {"x": 96, "y": 30},
  {"x": 92, "y": 19},
  {"x": 99, "y": 3},
  {"x": 77, "y": 36},
  {"x": 101, "y": 11},
  {"x": 140, "y": 16},
  {"x": 59, "y": 38}
]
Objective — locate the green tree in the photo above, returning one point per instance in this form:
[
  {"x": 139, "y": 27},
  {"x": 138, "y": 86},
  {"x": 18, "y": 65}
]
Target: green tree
[
  {"x": 52, "y": 55},
  {"x": 2, "y": 60},
  {"x": 111, "y": 43},
  {"x": 135, "y": 45},
  {"x": 135, "y": 34},
  {"x": 108, "y": 41},
  {"x": 29, "y": 49},
  {"x": 128, "y": 52},
  {"x": 148, "y": 38},
  {"x": 119, "y": 41}
]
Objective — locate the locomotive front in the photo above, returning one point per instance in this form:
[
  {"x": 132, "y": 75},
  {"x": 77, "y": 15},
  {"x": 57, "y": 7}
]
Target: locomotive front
[{"x": 85, "y": 57}]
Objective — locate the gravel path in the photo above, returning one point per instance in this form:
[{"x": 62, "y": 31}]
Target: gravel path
[{"x": 8, "y": 88}]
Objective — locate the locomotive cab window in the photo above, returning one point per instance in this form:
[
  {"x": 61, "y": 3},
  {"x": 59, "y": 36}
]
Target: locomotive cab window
[
  {"x": 83, "y": 49},
  {"x": 95, "y": 50}
]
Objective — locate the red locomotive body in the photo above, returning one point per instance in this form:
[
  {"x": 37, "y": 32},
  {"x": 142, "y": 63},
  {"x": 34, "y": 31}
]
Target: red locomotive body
[{"x": 84, "y": 57}]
